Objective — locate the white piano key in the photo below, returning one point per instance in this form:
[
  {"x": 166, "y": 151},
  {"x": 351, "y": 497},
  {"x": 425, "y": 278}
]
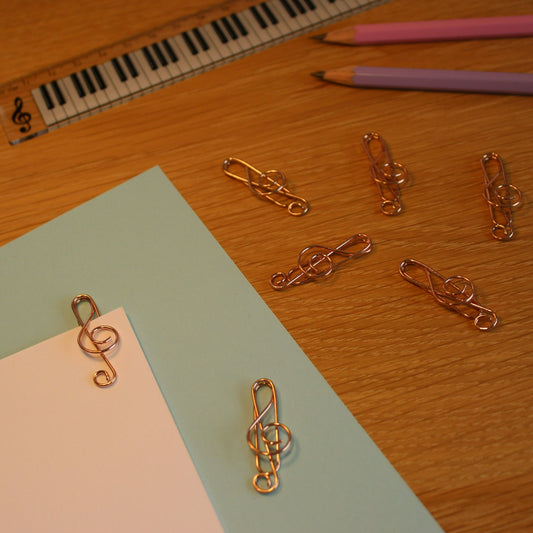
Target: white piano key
[
  {"x": 315, "y": 15},
  {"x": 176, "y": 68},
  {"x": 340, "y": 6},
  {"x": 253, "y": 37},
  {"x": 353, "y": 4},
  {"x": 202, "y": 59},
  {"x": 79, "y": 104},
  {"x": 186, "y": 61},
  {"x": 164, "y": 64},
  {"x": 327, "y": 10},
  {"x": 237, "y": 45},
  {"x": 146, "y": 76},
  {"x": 99, "y": 95},
  {"x": 90, "y": 100},
  {"x": 215, "y": 52},
  {"x": 122, "y": 88},
  {"x": 278, "y": 28},
  {"x": 68, "y": 106},
  {"x": 245, "y": 41},
  {"x": 286, "y": 25},
  {"x": 231, "y": 47},
  {"x": 262, "y": 35},
  {"x": 303, "y": 18},
  {"x": 242, "y": 41},
  {"x": 47, "y": 115},
  {"x": 110, "y": 91}
]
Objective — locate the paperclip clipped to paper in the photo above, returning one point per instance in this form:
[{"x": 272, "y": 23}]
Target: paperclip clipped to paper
[
  {"x": 386, "y": 173},
  {"x": 500, "y": 195},
  {"x": 270, "y": 185},
  {"x": 102, "y": 339},
  {"x": 317, "y": 261},
  {"x": 267, "y": 437},
  {"x": 455, "y": 293}
]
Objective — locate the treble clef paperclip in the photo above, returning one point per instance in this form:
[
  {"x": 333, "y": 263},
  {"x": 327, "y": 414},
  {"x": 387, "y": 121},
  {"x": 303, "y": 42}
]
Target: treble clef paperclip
[
  {"x": 456, "y": 293},
  {"x": 268, "y": 440},
  {"x": 317, "y": 261},
  {"x": 100, "y": 346},
  {"x": 500, "y": 195},
  {"x": 269, "y": 185},
  {"x": 387, "y": 174}
]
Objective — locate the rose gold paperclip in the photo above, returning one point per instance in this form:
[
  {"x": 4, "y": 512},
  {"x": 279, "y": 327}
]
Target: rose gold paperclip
[
  {"x": 101, "y": 346},
  {"x": 387, "y": 174},
  {"x": 269, "y": 185},
  {"x": 317, "y": 261},
  {"x": 500, "y": 195},
  {"x": 268, "y": 440},
  {"x": 456, "y": 293}
]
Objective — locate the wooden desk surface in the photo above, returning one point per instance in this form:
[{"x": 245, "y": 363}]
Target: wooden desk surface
[{"x": 450, "y": 406}]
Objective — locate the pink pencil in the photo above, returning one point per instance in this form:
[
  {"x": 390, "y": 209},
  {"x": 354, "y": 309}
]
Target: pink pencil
[{"x": 432, "y": 30}]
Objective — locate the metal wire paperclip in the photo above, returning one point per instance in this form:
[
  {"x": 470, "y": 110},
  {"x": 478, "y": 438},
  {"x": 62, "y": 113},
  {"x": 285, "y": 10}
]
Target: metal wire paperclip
[
  {"x": 318, "y": 262},
  {"x": 265, "y": 439},
  {"x": 500, "y": 195},
  {"x": 456, "y": 293},
  {"x": 387, "y": 174},
  {"x": 102, "y": 378},
  {"x": 268, "y": 185}
]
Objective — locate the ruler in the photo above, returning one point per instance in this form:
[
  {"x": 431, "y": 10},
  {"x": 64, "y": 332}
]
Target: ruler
[{"x": 106, "y": 77}]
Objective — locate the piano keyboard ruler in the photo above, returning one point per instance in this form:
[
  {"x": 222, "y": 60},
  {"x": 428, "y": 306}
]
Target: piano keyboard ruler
[{"x": 104, "y": 78}]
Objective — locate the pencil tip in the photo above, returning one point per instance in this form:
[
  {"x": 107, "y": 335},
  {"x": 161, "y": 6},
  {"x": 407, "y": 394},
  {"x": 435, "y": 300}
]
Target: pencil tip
[
  {"x": 320, "y": 37},
  {"x": 318, "y": 74}
]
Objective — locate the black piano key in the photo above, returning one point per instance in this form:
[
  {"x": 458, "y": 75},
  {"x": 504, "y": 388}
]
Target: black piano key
[
  {"x": 58, "y": 93},
  {"x": 299, "y": 6},
  {"x": 203, "y": 43},
  {"x": 77, "y": 85},
  {"x": 170, "y": 51},
  {"x": 229, "y": 28},
  {"x": 130, "y": 66},
  {"x": 232, "y": 27},
  {"x": 88, "y": 82},
  {"x": 98, "y": 77},
  {"x": 268, "y": 12},
  {"x": 260, "y": 20},
  {"x": 288, "y": 8},
  {"x": 240, "y": 26},
  {"x": 149, "y": 59},
  {"x": 118, "y": 69},
  {"x": 189, "y": 43},
  {"x": 46, "y": 97},
  {"x": 159, "y": 54},
  {"x": 220, "y": 34}
]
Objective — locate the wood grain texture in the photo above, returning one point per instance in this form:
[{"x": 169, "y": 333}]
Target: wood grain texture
[{"x": 451, "y": 407}]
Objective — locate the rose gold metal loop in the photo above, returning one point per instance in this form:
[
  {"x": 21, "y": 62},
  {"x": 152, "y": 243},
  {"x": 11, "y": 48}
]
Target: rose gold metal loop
[
  {"x": 267, "y": 439},
  {"x": 269, "y": 185},
  {"x": 316, "y": 261},
  {"x": 386, "y": 173},
  {"x": 99, "y": 340},
  {"x": 455, "y": 293},
  {"x": 500, "y": 195}
]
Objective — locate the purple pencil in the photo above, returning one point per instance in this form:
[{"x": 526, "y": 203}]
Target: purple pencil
[
  {"x": 431, "y": 80},
  {"x": 432, "y": 30}
]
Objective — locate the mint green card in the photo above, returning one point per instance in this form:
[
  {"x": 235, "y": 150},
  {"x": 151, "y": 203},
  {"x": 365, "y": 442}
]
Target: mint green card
[{"x": 207, "y": 336}]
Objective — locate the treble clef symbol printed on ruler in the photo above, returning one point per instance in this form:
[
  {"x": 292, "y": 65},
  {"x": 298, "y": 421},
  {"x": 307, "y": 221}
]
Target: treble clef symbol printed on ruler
[
  {"x": 102, "y": 338},
  {"x": 21, "y": 118}
]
